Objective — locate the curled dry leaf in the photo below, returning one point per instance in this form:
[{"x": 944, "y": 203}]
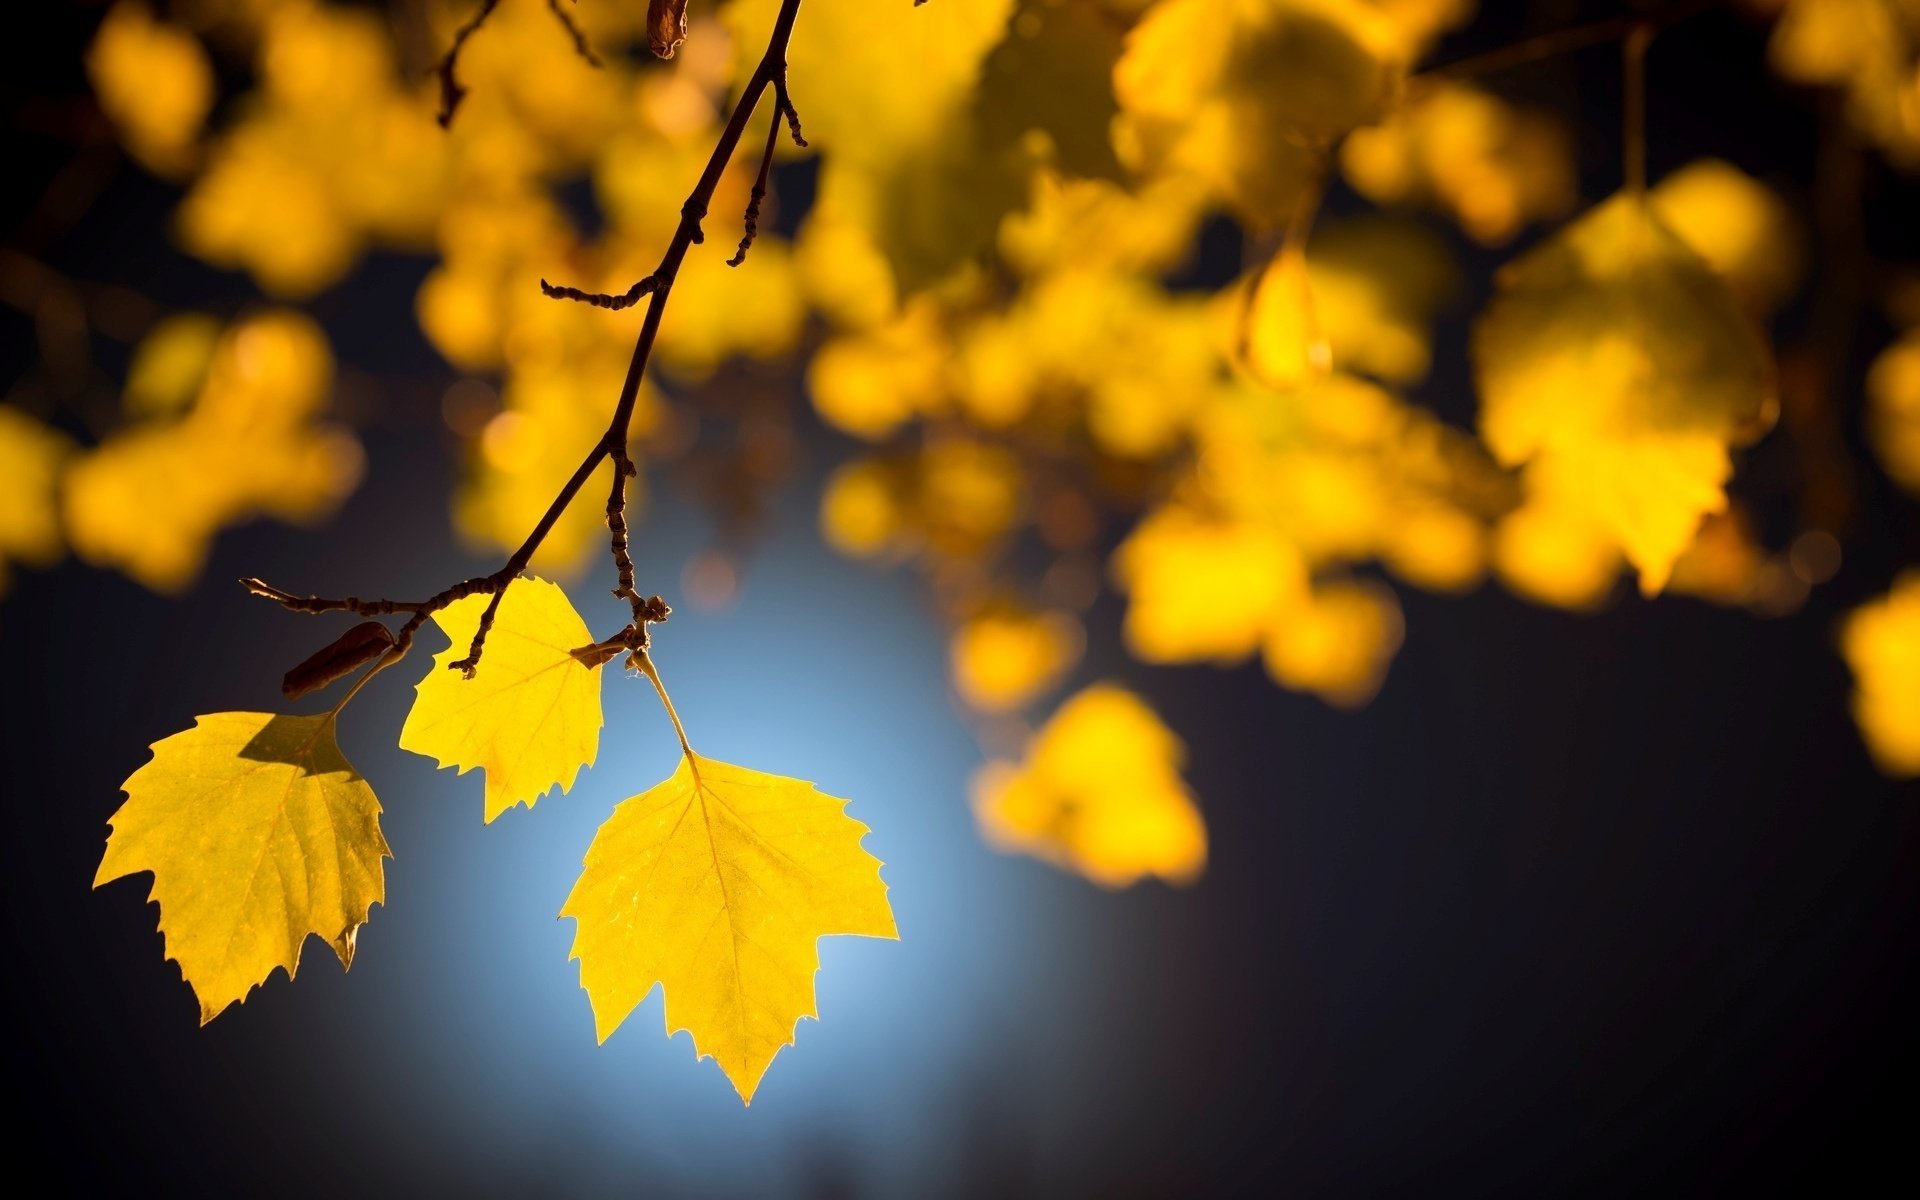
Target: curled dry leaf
[
  {"x": 362, "y": 644},
  {"x": 666, "y": 26}
]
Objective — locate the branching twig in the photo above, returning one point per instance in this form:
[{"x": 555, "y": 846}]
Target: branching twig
[
  {"x": 580, "y": 44},
  {"x": 451, "y": 91},
  {"x": 1564, "y": 41},
  {"x": 626, "y": 299},
  {"x": 612, "y": 445},
  {"x": 784, "y": 102},
  {"x": 759, "y": 194}
]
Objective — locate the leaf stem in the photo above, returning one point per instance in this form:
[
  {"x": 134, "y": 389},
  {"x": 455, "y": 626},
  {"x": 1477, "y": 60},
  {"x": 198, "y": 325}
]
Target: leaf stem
[
  {"x": 645, "y": 663},
  {"x": 1633, "y": 63}
]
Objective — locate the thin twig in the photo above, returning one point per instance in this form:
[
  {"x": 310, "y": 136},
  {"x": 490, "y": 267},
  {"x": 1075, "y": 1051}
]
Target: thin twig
[
  {"x": 759, "y": 193},
  {"x": 1633, "y": 108},
  {"x": 580, "y": 43},
  {"x": 784, "y": 100},
  {"x": 1564, "y": 41},
  {"x": 626, "y": 299},
  {"x": 451, "y": 93}
]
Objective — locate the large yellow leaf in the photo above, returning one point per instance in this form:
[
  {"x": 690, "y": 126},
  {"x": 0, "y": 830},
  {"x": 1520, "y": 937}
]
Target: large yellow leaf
[
  {"x": 1614, "y": 356},
  {"x": 258, "y": 832},
  {"x": 530, "y": 716},
  {"x": 717, "y": 885}
]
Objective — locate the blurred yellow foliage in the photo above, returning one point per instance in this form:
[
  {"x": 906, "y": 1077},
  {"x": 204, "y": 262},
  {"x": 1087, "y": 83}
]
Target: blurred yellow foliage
[
  {"x": 1100, "y": 793},
  {"x": 1337, "y": 642},
  {"x": 1196, "y": 94},
  {"x": 333, "y": 154},
  {"x": 1737, "y": 224},
  {"x": 1881, "y": 640},
  {"x": 1620, "y": 370},
  {"x": 149, "y": 499},
  {"x": 1893, "y": 409},
  {"x": 31, "y": 456},
  {"x": 1005, "y": 657},
  {"x": 1490, "y": 165},
  {"x": 1202, "y": 588},
  {"x": 155, "y": 82},
  {"x": 1868, "y": 48}
]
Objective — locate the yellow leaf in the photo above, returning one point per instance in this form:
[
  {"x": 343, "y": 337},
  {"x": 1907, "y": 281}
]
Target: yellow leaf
[
  {"x": 1616, "y": 361},
  {"x": 1244, "y": 94},
  {"x": 1003, "y": 658},
  {"x": 1893, "y": 409},
  {"x": 1554, "y": 556},
  {"x": 1493, "y": 166},
  {"x": 1735, "y": 223},
  {"x": 153, "y": 79},
  {"x": 1203, "y": 588},
  {"x": 530, "y": 716},
  {"x": 258, "y": 832},
  {"x": 1881, "y": 641},
  {"x": 170, "y": 365},
  {"x": 1100, "y": 793},
  {"x": 1282, "y": 336},
  {"x": 717, "y": 885},
  {"x": 861, "y": 509},
  {"x": 1336, "y": 642}
]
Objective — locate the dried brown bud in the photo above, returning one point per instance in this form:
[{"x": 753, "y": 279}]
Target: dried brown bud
[
  {"x": 356, "y": 647},
  {"x": 666, "y": 26},
  {"x": 598, "y": 654}
]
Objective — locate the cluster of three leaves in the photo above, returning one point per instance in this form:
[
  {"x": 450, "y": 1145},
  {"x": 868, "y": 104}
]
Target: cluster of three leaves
[{"x": 715, "y": 884}]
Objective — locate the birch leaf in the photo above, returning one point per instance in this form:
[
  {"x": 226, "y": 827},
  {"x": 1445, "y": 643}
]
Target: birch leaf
[
  {"x": 718, "y": 885},
  {"x": 530, "y": 716},
  {"x": 258, "y": 832},
  {"x": 1614, "y": 353}
]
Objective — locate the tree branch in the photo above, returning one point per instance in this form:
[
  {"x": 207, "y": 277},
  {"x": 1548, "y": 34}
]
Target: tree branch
[
  {"x": 612, "y": 445},
  {"x": 451, "y": 91},
  {"x": 1566, "y": 40}
]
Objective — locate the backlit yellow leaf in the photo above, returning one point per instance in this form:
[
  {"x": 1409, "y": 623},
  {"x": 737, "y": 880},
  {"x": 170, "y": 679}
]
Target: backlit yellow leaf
[
  {"x": 258, "y": 832},
  {"x": 1245, "y": 94},
  {"x": 717, "y": 885},
  {"x": 1100, "y": 793},
  {"x": 1617, "y": 363},
  {"x": 530, "y": 716},
  {"x": 1282, "y": 338},
  {"x": 1203, "y": 588},
  {"x": 1004, "y": 657},
  {"x": 1737, "y": 224},
  {"x": 1336, "y": 642},
  {"x": 154, "y": 81}
]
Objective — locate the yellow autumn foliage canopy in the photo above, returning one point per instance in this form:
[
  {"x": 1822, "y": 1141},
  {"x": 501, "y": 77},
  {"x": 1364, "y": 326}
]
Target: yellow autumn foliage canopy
[
  {"x": 258, "y": 832},
  {"x": 717, "y": 885}
]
